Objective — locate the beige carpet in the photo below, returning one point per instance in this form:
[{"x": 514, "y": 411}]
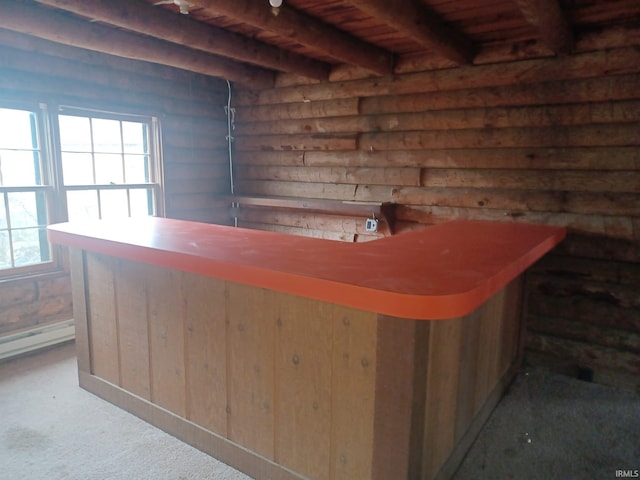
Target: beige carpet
[{"x": 50, "y": 429}]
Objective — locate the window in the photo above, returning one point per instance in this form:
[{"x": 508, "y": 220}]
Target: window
[
  {"x": 24, "y": 191},
  {"x": 77, "y": 165},
  {"x": 108, "y": 168}
]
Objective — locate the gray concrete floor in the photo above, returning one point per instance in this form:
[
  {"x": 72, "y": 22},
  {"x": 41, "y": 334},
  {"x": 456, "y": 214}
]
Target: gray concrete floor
[
  {"x": 546, "y": 427},
  {"x": 549, "y": 426}
]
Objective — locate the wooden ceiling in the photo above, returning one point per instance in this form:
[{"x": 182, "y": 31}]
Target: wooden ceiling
[{"x": 249, "y": 42}]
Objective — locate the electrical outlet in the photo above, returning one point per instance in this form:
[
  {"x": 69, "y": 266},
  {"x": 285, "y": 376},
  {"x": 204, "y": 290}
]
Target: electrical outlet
[{"x": 371, "y": 225}]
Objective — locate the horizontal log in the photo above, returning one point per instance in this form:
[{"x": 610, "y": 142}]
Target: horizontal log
[
  {"x": 180, "y": 155},
  {"x": 181, "y": 140},
  {"x": 196, "y": 171},
  {"x": 216, "y": 124},
  {"x": 558, "y": 180},
  {"x": 158, "y": 23},
  {"x": 537, "y": 116},
  {"x": 586, "y": 310},
  {"x": 575, "y": 223},
  {"x": 312, "y": 221},
  {"x": 360, "y": 210},
  {"x": 285, "y": 158},
  {"x": 594, "y": 270},
  {"x": 176, "y": 203},
  {"x": 330, "y": 108},
  {"x": 296, "y": 142},
  {"x": 38, "y": 312},
  {"x": 197, "y": 82},
  {"x": 370, "y": 176},
  {"x": 38, "y": 64},
  {"x": 73, "y": 93},
  {"x": 306, "y": 30},
  {"x": 304, "y": 232},
  {"x": 296, "y": 189},
  {"x": 218, "y": 216},
  {"x": 600, "y": 247},
  {"x": 588, "y": 65},
  {"x": 569, "y": 288},
  {"x": 60, "y": 28},
  {"x": 599, "y": 89},
  {"x": 592, "y": 158},
  {"x": 18, "y": 294},
  {"x": 196, "y": 186},
  {"x": 584, "y": 354},
  {"x": 593, "y": 334},
  {"x": 580, "y": 136},
  {"x": 615, "y": 204}
]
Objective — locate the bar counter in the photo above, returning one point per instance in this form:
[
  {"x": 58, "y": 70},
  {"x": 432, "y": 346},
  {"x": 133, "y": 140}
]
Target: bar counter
[{"x": 292, "y": 357}]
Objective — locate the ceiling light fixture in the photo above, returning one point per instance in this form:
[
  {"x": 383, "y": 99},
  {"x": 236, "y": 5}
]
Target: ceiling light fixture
[
  {"x": 183, "y": 5},
  {"x": 275, "y": 6}
]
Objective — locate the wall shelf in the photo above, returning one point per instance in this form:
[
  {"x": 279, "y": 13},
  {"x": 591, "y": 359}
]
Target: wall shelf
[{"x": 383, "y": 211}]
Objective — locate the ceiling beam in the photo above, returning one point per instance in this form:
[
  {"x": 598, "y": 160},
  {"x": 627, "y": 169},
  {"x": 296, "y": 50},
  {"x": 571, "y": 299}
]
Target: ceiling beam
[
  {"x": 60, "y": 28},
  {"x": 144, "y": 18},
  {"x": 553, "y": 27},
  {"x": 305, "y": 30},
  {"x": 423, "y": 26}
]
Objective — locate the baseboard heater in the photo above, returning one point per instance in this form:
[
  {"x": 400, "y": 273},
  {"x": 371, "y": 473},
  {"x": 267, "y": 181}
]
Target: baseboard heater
[{"x": 36, "y": 338}]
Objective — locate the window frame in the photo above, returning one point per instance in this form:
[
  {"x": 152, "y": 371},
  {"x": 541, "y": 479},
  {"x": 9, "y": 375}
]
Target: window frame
[
  {"x": 47, "y": 186},
  {"x": 155, "y": 156},
  {"x": 52, "y": 183}
]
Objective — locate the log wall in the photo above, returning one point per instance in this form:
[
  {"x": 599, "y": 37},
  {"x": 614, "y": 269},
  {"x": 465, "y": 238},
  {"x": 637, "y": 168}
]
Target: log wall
[
  {"x": 193, "y": 123},
  {"x": 551, "y": 141}
]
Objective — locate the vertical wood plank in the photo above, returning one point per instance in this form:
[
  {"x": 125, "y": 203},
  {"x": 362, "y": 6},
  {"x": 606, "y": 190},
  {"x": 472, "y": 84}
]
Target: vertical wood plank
[
  {"x": 103, "y": 328},
  {"x": 353, "y": 393},
  {"x": 303, "y": 386},
  {"x": 490, "y": 318},
  {"x": 250, "y": 380},
  {"x": 512, "y": 326},
  {"x": 80, "y": 306},
  {"x": 133, "y": 340},
  {"x": 442, "y": 393},
  {"x": 467, "y": 408},
  {"x": 206, "y": 355},
  {"x": 401, "y": 361},
  {"x": 166, "y": 339}
]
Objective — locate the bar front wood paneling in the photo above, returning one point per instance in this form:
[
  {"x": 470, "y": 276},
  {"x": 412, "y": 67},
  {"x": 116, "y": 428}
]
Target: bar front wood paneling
[{"x": 284, "y": 385}]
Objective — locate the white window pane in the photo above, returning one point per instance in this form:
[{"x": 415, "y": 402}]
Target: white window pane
[
  {"x": 19, "y": 168},
  {"x": 108, "y": 168},
  {"x": 3, "y": 213},
  {"x": 75, "y": 134},
  {"x": 17, "y": 129},
  {"x": 114, "y": 204},
  {"x": 5, "y": 250},
  {"x": 23, "y": 210},
  {"x": 77, "y": 169},
  {"x": 106, "y": 136},
  {"x": 29, "y": 247},
  {"x": 135, "y": 137},
  {"x": 82, "y": 205},
  {"x": 136, "y": 168},
  {"x": 141, "y": 203}
]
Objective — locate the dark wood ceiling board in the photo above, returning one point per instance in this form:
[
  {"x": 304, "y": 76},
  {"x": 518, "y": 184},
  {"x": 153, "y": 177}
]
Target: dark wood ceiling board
[
  {"x": 493, "y": 21},
  {"x": 611, "y": 12},
  {"x": 509, "y": 37},
  {"x": 359, "y": 24},
  {"x": 481, "y": 14},
  {"x": 453, "y": 7}
]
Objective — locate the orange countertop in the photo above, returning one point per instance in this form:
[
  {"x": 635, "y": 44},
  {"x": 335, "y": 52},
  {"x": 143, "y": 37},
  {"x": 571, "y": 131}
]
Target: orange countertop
[{"x": 438, "y": 272}]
